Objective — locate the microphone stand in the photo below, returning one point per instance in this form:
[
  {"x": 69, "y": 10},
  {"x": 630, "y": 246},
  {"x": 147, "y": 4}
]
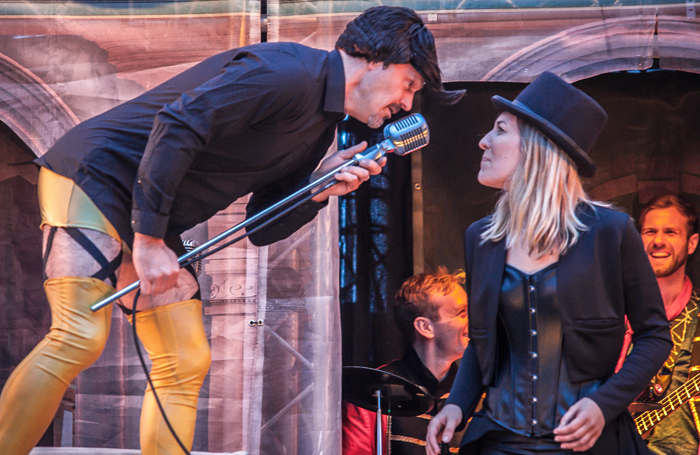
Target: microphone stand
[{"x": 297, "y": 198}]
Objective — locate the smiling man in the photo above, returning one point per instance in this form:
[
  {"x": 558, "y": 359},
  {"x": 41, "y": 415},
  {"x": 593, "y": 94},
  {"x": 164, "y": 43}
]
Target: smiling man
[
  {"x": 669, "y": 228},
  {"x": 431, "y": 312}
]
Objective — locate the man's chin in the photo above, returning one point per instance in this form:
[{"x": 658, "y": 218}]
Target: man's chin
[
  {"x": 375, "y": 122},
  {"x": 666, "y": 271}
]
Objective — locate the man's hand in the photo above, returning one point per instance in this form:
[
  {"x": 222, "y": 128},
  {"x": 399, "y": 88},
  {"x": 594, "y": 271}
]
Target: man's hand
[
  {"x": 350, "y": 178},
  {"x": 443, "y": 424},
  {"x": 581, "y": 426},
  {"x": 155, "y": 264}
]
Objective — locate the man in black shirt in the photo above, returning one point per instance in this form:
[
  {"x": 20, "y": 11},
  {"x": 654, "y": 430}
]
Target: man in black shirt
[
  {"x": 431, "y": 311},
  {"x": 256, "y": 119}
]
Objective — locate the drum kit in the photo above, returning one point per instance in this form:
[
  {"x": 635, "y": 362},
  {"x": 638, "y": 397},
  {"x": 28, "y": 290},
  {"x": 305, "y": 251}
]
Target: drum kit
[{"x": 384, "y": 393}]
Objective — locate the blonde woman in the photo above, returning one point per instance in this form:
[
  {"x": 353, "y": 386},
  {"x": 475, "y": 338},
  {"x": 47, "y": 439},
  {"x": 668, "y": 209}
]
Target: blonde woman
[{"x": 550, "y": 277}]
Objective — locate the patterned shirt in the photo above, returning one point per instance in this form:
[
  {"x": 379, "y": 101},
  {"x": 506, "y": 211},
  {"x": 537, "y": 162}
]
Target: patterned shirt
[{"x": 677, "y": 434}]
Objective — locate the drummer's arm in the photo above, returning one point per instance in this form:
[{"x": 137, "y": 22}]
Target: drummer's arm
[{"x": 359, "y": 430}]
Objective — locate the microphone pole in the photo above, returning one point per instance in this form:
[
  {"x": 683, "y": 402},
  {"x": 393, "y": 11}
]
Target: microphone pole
[{"x": 402, "y": 136}]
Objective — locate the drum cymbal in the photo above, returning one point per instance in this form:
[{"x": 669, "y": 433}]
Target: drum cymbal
[
  {"x": 400, "y": 397},
  {"x": 642, "y": 406}
]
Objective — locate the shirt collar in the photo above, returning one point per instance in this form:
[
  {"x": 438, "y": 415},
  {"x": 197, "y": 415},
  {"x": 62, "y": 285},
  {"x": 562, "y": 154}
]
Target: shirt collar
[
  {"x": 335, "y": 84},
  {"x": 681, "y": 301},
  {"x": 424, "y": 375}
]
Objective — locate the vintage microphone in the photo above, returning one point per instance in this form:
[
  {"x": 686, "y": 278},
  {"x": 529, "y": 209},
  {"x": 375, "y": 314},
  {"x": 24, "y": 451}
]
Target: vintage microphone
[{"x": 402, "y": 137}]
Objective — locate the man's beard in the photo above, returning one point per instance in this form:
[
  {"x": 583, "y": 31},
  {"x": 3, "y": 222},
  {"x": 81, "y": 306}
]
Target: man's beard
[
  {"x": 375, "y": 121},
  {"x": 678, "y": 261}
]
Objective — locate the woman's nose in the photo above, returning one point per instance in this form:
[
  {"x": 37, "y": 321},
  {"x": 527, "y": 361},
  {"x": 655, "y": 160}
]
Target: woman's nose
[{"x": 484, "y": 142}]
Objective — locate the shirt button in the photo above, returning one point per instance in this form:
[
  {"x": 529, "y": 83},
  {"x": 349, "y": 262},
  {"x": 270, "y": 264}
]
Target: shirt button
[
  {"x": 533, "y": 355},
  {"x": 534, "y": 377},
  {"x": 534, "y": 399},
  {"x": 139, "y": 180},
  {"x": 533, "y": 311},
  {"x": 133, "y": 221},
  {"x": 533, "y": 333},
  {"x": 534, "y": 422},
  {"x": 532, "y": 288}
]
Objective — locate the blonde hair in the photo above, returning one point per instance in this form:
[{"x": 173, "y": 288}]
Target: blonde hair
[{"x": 539, "y": 206}]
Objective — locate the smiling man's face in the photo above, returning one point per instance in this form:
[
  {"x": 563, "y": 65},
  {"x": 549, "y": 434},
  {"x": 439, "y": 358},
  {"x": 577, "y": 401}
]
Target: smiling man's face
[{"x": 665, "y": 237}]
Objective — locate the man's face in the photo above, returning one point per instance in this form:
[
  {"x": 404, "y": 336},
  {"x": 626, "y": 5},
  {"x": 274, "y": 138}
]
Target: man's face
[
  {"x": 452, "y": 327},
  {"x": 383, "y": 92},
  {"x": 666, "y": 241}
]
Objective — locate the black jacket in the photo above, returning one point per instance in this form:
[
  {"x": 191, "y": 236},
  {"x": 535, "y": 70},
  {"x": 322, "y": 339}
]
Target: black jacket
[{"x": 604, "y": 277}]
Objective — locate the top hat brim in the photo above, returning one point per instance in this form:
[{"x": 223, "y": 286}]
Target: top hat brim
[{"x": 586, "y": 166}]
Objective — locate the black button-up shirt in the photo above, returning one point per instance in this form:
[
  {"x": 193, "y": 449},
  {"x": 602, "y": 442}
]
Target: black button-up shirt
[
  {"x": 408, "y": 433},
  {"x": 256, "y": 119}
]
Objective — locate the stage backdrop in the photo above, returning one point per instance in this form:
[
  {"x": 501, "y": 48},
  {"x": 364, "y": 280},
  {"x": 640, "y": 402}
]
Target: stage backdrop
[
  {"x": 273, "y": 388},
  {"x": 271, "y": 313}
]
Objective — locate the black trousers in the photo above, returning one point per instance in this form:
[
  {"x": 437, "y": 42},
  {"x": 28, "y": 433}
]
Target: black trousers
[{"x": 509, "y": 443}]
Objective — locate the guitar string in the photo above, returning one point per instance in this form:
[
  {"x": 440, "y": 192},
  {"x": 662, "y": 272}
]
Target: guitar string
[{"x": 646, "y": 418}]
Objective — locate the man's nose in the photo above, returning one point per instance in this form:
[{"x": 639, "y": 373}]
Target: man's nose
[
  {"x": 407, "y": 102},
  {"x": 659, "y": 239}
]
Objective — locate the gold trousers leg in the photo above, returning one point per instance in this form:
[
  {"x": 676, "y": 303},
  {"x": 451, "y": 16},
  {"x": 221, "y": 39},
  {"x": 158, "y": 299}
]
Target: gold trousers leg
[
  {"x": 76, "y": 339},
  {"x": 174, "y": 337}
]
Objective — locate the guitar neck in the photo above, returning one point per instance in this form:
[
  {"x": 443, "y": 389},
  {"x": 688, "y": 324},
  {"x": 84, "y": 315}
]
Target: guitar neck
[{"x": 646, "y": 420}]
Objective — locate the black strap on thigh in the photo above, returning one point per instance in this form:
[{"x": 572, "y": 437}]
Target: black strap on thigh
[
  {"x": 108, "y": 270},
  {"x": 49, "y": 244},
  {"x": 174, "y": 242}
]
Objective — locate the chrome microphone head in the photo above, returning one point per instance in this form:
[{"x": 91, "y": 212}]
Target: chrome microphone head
[{"x": 408, "y": 134}]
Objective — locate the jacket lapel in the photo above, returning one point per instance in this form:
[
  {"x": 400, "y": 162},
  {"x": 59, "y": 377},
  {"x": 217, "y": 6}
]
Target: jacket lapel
[{"x": 487, "y": 278}]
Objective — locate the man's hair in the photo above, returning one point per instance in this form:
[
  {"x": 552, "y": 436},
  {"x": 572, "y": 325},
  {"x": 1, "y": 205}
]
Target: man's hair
[
  {"x": 686, "y": 208},
  {"x": 540, "y": 204},
  {"x": 394, "y": 34},
  {"x": 413, "y": 299}
]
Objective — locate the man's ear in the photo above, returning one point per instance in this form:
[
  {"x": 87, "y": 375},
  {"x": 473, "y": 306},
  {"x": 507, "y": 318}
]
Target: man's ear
[
  {"x": 692, "y": 243},
  {"x": 373, "y": 65},
  {"x": 424, "y": 327}
]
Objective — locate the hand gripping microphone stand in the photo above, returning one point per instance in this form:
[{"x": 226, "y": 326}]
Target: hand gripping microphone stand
[{"x": 403, "y": 137}]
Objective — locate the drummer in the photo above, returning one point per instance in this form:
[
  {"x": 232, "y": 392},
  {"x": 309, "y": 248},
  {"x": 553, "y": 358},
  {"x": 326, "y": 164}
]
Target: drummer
[{"x": 431, "y": 312}]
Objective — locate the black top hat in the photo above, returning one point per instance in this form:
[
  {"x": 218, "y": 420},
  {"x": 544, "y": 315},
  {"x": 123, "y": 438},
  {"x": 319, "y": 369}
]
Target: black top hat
[{"x": 567, "y": 116}]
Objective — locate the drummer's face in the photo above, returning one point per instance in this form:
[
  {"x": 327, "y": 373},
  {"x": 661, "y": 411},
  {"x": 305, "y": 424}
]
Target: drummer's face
[{"x": 452, "y": 329}]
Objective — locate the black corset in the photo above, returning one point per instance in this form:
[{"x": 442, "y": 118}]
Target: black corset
[{"x": 531, "y": 389}]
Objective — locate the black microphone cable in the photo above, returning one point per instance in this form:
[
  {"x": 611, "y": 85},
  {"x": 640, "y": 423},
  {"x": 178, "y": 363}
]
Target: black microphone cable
[
  {"x": 148, "y": 376},
  {"x": 196, "y": 258}
]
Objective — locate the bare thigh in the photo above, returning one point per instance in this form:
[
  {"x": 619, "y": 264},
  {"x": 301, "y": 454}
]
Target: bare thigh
[
  {"x": 68, "y": 258},
  {"x": 186, "y": 288}
]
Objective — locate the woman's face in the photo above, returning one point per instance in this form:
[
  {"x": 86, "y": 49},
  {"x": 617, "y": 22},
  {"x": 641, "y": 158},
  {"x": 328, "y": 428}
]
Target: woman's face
[{"x": 501, "y": 148}]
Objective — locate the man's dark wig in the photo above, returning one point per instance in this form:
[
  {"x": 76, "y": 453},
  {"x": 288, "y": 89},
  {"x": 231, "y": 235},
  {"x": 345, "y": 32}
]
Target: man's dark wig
[{"x": 393, "y": 34}]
